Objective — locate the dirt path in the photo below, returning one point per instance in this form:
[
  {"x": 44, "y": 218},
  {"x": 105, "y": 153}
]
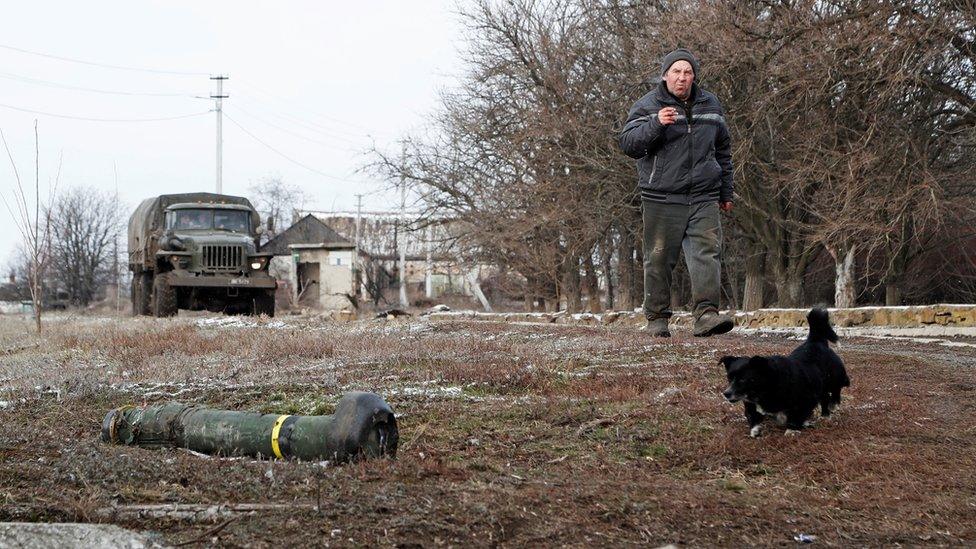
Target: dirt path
[{"x": 510, "y": 435}]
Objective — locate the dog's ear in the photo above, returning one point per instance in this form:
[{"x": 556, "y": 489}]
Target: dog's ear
[{"x": 727, "y": 361}]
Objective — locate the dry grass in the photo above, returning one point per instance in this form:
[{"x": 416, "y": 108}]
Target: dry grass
[{"x": 511, "y": 435}]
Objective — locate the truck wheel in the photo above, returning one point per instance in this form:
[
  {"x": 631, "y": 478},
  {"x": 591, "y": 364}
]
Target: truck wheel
[
  {"x": 264, "y": 303},
  {"x": 141, "y": 292},
  {"x": 163, "y": 297}
]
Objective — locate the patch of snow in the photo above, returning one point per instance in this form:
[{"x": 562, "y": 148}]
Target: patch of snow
[
  {"x": 667, "y": 393},
  {"x": 238, "y": 322},
  {"x": 923, "y": 331},
  {"x": 419, "y": 327},
  {"x": 428, "y": 390},
  {"x": 930, "y": 340}
]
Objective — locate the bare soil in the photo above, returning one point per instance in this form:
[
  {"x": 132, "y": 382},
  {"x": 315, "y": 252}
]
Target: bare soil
[{"x": 511, "y": 435}]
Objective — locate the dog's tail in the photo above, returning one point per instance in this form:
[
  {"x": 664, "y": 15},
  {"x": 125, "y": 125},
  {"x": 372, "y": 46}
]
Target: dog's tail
[{"x": 820, "y": 329}]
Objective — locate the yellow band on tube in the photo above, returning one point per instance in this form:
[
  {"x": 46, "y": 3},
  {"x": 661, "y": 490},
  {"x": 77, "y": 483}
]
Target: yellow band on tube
[{"x": 275, "y": 431}]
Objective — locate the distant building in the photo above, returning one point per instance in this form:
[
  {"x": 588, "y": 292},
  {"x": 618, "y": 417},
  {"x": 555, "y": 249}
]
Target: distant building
[
  {"x": 432, "y": 270},
  {"x": 13, "y": 297},
  {"x": 314, "y": 258},
  {"x": 315, "y": 264}
]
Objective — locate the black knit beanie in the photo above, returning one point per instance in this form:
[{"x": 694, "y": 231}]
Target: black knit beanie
[{"x": 678, "y": 55}]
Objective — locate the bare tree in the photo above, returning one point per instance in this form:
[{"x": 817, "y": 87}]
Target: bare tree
[
  {"x": 32, "y": 216},
  {"x": 85, "y": 224},
  {"x": 852, "y": 132},
  {"x": 279, "y": 202}
]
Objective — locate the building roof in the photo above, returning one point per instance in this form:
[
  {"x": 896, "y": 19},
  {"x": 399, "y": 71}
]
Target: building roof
[
  {"x": 307, "y": 230},
  {"x": 323, "y": 246}
]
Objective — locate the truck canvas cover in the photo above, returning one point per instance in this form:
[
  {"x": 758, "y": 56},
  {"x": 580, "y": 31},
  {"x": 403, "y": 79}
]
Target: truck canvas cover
[{"x": 149, "y": 216}]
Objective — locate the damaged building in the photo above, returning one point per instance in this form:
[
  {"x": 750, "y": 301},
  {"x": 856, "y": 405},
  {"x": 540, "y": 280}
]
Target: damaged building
[{"x": 317, "y": 265}]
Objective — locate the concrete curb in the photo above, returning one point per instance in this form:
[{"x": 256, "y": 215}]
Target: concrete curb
[
  {"x": 960, "y": 316},
  {"x": 40, "y": 535}
]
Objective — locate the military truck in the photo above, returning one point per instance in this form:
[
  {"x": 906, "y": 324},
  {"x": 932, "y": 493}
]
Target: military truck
[{"x": 198, "y": 251}]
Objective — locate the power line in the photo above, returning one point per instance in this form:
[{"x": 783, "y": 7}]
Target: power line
[
  {"x": 278, "y": 99},
  {"x": 286, "y": 130},
  {"x": 37, "y": 81},
  {"x": 103, "y": 65},
  {"x": 87, "y": 119},
  {"x": 324, "y": 131},
  {"x": 285, "y": 156},
  {"x": 359, "y": 127}
]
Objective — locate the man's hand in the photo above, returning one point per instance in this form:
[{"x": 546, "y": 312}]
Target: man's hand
[
  {"x": 667, "y": 116},
  {"x": 725, "y": 206}
]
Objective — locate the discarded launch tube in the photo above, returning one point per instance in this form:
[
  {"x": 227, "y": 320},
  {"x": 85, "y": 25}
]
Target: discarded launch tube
[{"x": 363, "y": 425}]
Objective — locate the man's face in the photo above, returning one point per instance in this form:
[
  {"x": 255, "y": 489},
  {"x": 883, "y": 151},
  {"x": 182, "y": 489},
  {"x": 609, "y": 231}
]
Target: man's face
[{"x": 679, "y": 78}]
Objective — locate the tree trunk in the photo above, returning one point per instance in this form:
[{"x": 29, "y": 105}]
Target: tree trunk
[
  {"x": 476, "y": 289},
  {"x": 752, "y": 298},
  {"x": 605, "y": 263},
  {"x": 592, "y": 286},
  {"x": 844, "y": 294},
  {"x": 789, "y": 288},
  {"x": 36, "y": 290},
  {"x": 637, "y": 270},
  {"x": 892, "y": 294},
  {"x": 894, "y": 276},
  {"x": 625, "y": 268},
  {"x": 571, "y": 285},
  {"x": 549, "y": 293},
  {"x": 531, "y": 293},
  {"x": 789, "y": 269}
]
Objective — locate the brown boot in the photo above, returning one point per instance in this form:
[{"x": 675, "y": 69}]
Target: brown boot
[
  {"x": 711, "y": 323},
  {"x": 657, "y": 327}
]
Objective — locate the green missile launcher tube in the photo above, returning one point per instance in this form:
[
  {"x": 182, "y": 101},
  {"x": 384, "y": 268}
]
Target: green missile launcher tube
[{"x": 363, "y": 425}]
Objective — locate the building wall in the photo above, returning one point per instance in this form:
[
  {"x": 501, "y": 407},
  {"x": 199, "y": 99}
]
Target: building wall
[
  {"x": 16, "y": 307},
  {"x": 335, "y": 280},
  {"x": 337, "y": 284},
  {"x": 341, "y": 258}
]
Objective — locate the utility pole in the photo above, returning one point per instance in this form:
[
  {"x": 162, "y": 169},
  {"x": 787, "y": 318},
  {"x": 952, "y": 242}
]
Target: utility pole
[
  {"x": 115, "y": 244},
  {"x": 429, "y": 274},
  {"x": 355, "y": 259},
  {"x": 218, "y": 107},
  {"x": 403, "y": 239}
]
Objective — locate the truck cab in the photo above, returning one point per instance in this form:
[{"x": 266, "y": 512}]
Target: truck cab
[{"x": 199, "y": 254}]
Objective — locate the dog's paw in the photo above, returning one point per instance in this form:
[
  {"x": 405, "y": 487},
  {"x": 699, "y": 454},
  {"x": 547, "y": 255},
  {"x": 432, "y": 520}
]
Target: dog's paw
[
  {"x": 792, "y": 432},
  {"x": 809, "y": 423},
  {"x": 755, "y": 431}
]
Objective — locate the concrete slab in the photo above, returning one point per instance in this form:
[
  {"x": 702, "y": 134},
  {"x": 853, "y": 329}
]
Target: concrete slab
[{"x": 40, "y": 535}]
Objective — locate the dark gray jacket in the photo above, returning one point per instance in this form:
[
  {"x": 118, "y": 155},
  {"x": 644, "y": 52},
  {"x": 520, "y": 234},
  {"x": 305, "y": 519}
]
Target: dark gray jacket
[{"x": 687, "y": 162}]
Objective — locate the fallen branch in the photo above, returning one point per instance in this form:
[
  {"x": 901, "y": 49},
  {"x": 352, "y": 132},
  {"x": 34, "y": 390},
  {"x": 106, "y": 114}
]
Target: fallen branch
[{"x": 196, "y": 512}]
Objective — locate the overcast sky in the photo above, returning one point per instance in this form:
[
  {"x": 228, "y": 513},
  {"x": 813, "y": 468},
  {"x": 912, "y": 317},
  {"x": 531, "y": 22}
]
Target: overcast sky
[{"x": 318, "y": 81}]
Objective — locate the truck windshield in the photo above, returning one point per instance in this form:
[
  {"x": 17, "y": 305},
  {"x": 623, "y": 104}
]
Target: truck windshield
[{"x": 228, "y": 220}]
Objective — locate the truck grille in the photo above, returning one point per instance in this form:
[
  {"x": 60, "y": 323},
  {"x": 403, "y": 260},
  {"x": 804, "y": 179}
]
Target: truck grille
[{"x": 223, "y": 258}]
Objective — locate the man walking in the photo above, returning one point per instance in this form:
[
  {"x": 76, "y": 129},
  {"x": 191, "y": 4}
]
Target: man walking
[{"x": 678, "y": 135}]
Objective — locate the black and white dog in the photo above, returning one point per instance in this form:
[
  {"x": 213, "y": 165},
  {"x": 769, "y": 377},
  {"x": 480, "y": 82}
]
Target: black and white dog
[{"x": 788, "y": 388}]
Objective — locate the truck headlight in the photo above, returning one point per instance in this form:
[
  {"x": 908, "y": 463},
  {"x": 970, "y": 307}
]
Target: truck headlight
[
  {"x": 256, "y": 264},
  {"x": 179, "y": 261}
]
